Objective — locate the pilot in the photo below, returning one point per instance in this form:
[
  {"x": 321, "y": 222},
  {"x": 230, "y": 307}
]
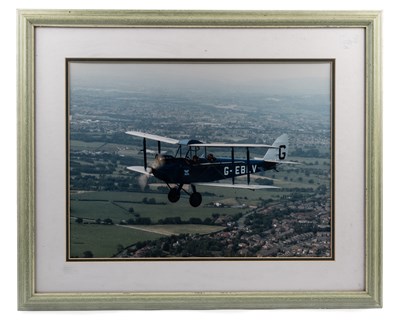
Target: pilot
[
  {"x": 195, "y": 159},
  {"x": 210, "y": 157}
]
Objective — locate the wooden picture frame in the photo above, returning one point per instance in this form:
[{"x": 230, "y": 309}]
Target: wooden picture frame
[{"x": 29, "y": 232}]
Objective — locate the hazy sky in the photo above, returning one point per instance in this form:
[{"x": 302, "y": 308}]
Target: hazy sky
[{"x": 275, "y": 78}]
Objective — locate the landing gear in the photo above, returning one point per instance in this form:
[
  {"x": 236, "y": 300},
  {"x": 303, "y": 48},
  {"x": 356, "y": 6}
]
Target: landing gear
[
  {"x": 195, "y": 199},
  {"x": 174, "y": 195}
]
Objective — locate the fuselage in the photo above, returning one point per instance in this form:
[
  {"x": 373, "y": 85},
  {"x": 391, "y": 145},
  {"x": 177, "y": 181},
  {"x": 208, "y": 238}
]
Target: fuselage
[{"x": 186, "y": 171}]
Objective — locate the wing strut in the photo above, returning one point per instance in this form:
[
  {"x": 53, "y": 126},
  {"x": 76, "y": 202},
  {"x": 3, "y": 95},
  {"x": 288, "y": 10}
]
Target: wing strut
[
  {"x": 248, "y": 165},
  {"x": 144, "y": 154},
  {"x": 233, "y": 164}
]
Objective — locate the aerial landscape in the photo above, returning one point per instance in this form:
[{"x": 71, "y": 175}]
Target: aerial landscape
[{"x": 113, "y": 214}]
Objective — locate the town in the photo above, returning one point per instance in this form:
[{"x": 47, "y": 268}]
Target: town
[{"x": 295, "y": 227}]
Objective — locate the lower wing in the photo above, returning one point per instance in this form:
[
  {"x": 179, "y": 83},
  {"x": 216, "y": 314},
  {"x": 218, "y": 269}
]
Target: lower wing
[
  {"x": 236, "y": 186},
  {"x": 277, "y": 161},
  {"x": 139, "y": 169}
]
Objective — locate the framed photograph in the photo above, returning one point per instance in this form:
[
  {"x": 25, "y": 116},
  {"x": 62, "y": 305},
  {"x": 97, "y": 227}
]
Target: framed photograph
[
  {"x": 125, "y": 197},
  {"x": 199, "y": 160}
]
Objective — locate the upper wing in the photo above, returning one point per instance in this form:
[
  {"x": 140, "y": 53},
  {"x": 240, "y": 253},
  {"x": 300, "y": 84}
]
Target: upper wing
[
  {"x": 152, "y": 137},
  {"x": 236, "y": 186},
  {"x": 196, "y": 144},
  {"x": 232, "y": 145}
]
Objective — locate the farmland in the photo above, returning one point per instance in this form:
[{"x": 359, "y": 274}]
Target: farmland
[
  {"x": 93, "y": 207},
  {"x": 103, "y": 241}
]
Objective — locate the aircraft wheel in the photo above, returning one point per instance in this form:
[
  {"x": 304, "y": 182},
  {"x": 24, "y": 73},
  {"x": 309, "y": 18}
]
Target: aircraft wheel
[
  {"x": 174, "y": 195},
  {"x": 195, "y": 199}
]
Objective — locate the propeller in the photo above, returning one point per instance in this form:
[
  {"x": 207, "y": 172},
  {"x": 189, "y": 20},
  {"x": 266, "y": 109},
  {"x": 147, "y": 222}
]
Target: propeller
[
  {"x": 144, "y": 179},
  {"x": 148, "y": 151}
]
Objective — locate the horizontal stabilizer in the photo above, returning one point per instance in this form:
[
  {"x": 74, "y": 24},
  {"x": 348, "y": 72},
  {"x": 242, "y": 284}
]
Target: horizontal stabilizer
[
  {"x": 139, "y": 170},
  {"x": 282, "y": 162},
  {"x": 237, "y": 186},
  {"x": 152, "y": 137}
]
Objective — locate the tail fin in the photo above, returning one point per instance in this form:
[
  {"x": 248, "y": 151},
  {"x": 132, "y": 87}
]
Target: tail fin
[{"x": 279, "y": 154}]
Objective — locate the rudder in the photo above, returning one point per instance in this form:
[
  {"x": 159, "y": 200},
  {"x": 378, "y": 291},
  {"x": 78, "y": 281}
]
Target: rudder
[{"x": 279, "y": 154}]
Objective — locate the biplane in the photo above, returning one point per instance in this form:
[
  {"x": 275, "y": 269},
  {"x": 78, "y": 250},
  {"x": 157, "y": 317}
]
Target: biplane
[{"x": 194, "y": 165}]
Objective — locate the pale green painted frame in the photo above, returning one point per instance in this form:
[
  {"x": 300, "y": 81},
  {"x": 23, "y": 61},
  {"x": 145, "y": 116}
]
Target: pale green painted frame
[{"x": 29, "y": 299}]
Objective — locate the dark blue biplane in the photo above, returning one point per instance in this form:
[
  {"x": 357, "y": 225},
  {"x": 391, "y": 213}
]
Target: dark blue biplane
[{"x": 193, "y": 165}]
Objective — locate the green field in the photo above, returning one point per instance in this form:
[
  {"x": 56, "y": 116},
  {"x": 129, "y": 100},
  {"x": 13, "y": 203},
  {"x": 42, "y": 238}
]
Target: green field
[
  {"x": 83, "y": 145},
  {"x": 96, "y": 210},
  {"x": 102, "y": 240},
  {"x": 175, "y": 229},
  {"x": 102, "y": 205},
  {"x": 105, "y": 240}
]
